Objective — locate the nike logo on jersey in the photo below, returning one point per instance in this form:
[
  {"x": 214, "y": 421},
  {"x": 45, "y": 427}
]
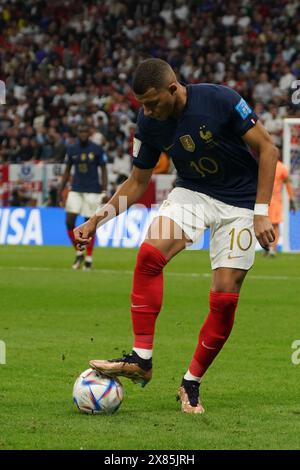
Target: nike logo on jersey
[
  {"x": 233, "y": 257},
  {"x": 168, "y": 148},
  {"x": 207, "y": 347}
]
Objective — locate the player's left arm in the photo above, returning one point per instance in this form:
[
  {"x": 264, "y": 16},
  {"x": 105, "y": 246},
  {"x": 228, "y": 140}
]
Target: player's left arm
[{"x": 261, "y": 142}]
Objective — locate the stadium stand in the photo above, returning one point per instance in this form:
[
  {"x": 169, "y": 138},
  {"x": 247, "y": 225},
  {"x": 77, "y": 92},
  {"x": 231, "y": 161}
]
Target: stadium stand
[{"x": 68, "y": 62}]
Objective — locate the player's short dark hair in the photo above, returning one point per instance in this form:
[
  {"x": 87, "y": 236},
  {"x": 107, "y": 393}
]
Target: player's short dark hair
[{"x": 152, "y": 73}]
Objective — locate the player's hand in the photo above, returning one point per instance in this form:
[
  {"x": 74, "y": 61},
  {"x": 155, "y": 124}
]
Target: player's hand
[
  {"x": 84, "y": 233},
  {"x": 264, "y": 230},
  {"x": 104, "y": 197},
  {"x": 60, "y": 199}
]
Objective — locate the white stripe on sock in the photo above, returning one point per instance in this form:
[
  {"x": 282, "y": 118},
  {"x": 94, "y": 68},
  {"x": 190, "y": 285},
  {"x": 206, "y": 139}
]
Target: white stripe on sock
[
  {"x": 143, "y": 353},
  {"x": 189, "y": 376}
]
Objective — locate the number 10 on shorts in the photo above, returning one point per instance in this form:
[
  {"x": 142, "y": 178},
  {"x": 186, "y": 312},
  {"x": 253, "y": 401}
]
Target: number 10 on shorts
[{"x": 243, "y": 239}]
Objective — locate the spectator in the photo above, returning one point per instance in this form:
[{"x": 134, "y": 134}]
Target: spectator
[
  {"x": 59, "y": 148},
  {"x": 70, "y": 62},
  {"x": 263, "y": 90},
  {"x": 52, "y": 200},
  {"x": 11, "y": 151},
  {"x": 25, "y": 151},
  {"x": 122, "y": 163},
  {"x": 20, "y": 196},
  {"x": 96, "y": 136},
  {"x": 274, "y": 125},
  {"x": 287, "y": 78}
]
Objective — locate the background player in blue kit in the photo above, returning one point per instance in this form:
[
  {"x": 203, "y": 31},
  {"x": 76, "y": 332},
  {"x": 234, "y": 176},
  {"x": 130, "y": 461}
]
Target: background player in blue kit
[
  {"x": 87, "y": 192},
  {"x": 211, "y": 134}
]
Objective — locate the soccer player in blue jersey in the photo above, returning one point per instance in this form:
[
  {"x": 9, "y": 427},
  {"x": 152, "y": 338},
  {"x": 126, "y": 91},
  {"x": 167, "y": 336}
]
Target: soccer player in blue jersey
[
  {"x": 211, "y": 134},
  {"x": 87, "y": 192}
]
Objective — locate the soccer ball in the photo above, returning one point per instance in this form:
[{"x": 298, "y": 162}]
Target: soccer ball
[{"x": 94, "y": 393}]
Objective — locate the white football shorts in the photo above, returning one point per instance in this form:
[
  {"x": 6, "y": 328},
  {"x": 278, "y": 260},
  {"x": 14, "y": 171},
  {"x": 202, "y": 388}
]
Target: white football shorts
[
  {"x": 232, "y": 238},
  {"x": 84, "y": 204}
]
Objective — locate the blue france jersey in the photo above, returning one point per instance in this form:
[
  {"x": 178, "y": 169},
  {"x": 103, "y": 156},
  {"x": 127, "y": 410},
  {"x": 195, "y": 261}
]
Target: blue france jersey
[
  {"x": 205, "y": 144},
  {"x": 86, "y": 159}
]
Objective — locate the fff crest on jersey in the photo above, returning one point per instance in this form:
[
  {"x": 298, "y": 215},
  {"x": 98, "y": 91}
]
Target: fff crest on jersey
[
  {"x": 205, "y": 135},
  {"x": 187, "y": 143}
]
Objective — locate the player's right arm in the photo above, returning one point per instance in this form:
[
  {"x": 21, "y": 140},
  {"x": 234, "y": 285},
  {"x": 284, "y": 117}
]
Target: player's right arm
[{"x": 127, "y": 195}]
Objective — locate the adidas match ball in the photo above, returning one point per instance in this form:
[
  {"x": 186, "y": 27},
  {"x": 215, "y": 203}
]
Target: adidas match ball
[{"x": 94, "y": 393}]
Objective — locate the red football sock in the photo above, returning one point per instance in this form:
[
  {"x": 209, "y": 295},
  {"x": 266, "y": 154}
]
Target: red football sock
[
  {"x": 71, "y": 236},
  {"x": 215, "y": 330},
  {"x": 147, "y": 294},
  {"x": 90, "y": 247}
]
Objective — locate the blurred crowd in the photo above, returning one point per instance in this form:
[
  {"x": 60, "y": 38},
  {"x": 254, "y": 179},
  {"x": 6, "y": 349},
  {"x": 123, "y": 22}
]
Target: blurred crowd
[{"x": 66, "y": 62}]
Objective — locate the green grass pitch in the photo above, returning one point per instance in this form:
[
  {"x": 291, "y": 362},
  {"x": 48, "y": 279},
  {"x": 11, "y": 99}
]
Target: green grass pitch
[{"x": 53, "y": 320}]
